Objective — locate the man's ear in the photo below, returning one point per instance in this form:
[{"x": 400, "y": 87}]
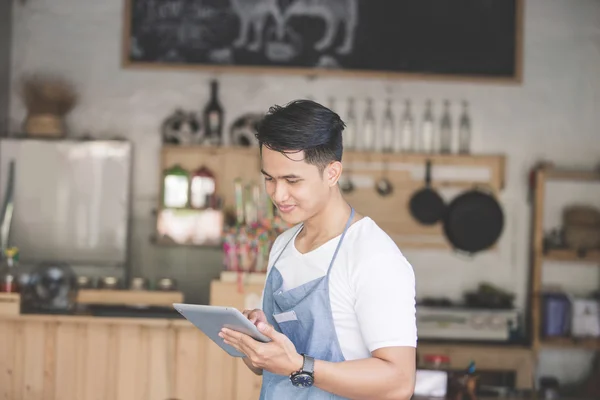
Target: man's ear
[{"x": 333, "y": 172}]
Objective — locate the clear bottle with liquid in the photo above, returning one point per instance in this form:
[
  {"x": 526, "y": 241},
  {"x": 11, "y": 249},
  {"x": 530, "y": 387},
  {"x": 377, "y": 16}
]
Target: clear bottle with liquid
[
  {"x": 369, "y": 130},
  {"x": 388, "y": 129},
  {"x": 350, "y": 131},
  {"x": 406, "y": 140},
  {"x": 427, "y": 142},
  {"x": 464, "y": 130},
  {"x": 446, "y": 130}
]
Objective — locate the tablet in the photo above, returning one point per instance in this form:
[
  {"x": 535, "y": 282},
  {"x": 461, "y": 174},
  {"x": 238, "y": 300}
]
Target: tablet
[{"x": 211, "y": 319}]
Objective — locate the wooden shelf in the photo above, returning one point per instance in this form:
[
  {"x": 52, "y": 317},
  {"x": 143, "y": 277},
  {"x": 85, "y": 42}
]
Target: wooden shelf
[
  {"x": 592, "y": 256},
  {"x": 571, "y": 343},
  {"x": 544, "y": 174},
  {"x": 572, "y": 175},
  {"x": 405, "y": 171}
]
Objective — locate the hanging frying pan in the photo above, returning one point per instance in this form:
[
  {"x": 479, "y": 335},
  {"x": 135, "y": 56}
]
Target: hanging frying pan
[
  {"x": 426, "y": 205},
  {"x": 473, "y": 221}
]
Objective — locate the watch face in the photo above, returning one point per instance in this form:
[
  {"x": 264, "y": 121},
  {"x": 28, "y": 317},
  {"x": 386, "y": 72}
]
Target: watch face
[{"x": 302, "y": 380}]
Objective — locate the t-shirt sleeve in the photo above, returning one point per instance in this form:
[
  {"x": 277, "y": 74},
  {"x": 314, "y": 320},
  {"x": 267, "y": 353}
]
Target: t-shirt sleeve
[{"x": 385, "y": 300}]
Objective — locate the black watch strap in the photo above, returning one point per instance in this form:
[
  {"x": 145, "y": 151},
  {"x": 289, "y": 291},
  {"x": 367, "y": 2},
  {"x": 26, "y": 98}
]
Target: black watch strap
[{"x": 309, "y": 364}]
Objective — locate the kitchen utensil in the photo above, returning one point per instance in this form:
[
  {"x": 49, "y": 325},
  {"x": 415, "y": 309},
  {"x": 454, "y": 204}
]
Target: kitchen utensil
[
  {"x": 426, "y": 205},
  {"x": 473, "y": 221},
  {"x": 139, "y": 283},
  {"x": 109, "y": 282},
  {"x": 7, "y": 209},
  {"x": 346, "y": 185},
  {"x": 53, "y": 286},
  {"x": 84, "y": 282},
  {"x": 383, "y": 186},
  {"x": 166, "y": 284}
]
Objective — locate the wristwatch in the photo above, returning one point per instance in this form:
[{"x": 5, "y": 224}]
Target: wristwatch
[{"x": 305, "y": 377}]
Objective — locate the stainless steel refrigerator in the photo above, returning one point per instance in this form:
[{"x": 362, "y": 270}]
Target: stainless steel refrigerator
[{"x": 70, "y": 200}]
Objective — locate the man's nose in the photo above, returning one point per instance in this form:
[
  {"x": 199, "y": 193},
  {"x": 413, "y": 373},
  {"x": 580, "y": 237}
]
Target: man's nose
[{"x": 280, "y": 193}]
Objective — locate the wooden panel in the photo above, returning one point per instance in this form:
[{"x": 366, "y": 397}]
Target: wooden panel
[
  {"x": 234, "y": 372},
  {"x": 191, "y": 356},
  {"x": 518, "y": 359},
  {"x": 132, "y": 362},
  {"x": 80, "y": 361},
  {"x": 591, "y": 256},
  {"x": 8, "y": 331},
  {"x": 247, "y": 383},
  {"x": 131, "y": 297},
  {"x": 10, "y": 304},
  {"x": 34, "y": 353}
]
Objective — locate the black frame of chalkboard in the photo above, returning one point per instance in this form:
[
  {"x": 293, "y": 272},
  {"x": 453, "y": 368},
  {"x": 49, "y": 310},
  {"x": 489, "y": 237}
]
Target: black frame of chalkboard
[{"x": 515, "y": 79}]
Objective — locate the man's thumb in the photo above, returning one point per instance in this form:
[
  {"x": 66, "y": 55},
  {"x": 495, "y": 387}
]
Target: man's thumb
[{"x": 267, "y": 330}]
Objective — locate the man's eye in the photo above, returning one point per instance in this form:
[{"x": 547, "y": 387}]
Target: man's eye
[
  {"x": 267, "y": 178},
  {"x": 292, "y": 182}
]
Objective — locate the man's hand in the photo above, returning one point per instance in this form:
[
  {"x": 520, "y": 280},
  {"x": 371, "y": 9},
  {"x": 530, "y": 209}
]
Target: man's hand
[
  {"x": 255, "y": 316},
  {"x": 278, "y": 356}
]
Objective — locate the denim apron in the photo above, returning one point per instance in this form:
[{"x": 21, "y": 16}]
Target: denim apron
[{"x": 303, "y": 314}]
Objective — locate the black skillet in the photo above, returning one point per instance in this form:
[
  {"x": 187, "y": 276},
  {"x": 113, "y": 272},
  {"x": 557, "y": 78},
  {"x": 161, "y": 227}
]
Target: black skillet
[
  {"x": 473, "y": 221},
  {"x": 426, "y": 205}
]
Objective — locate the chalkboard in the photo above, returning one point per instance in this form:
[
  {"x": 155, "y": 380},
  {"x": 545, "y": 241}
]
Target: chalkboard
[{"x": 454, "y": 39}]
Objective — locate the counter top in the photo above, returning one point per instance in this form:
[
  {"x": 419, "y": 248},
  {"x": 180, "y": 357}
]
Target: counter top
[{"x": 164, "y": 322}]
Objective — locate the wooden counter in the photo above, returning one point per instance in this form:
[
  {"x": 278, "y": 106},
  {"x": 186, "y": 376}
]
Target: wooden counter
[
  {"x": 59, "y": 357},
  {"x": 51, "y": 357}
]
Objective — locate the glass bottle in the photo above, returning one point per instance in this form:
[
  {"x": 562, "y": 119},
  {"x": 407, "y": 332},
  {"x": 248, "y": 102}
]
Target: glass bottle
[
  {"x": 464, "y": 130},
  {"x": 8, "y": 274},
  {"x": 368, "y": 133},
  {"x": 387, "y": 129},
  {"x": 446, "y": 130},
  {"x": 213, "y": 117},
  {"x": 350, "y": 131},
  {"x": 406, "y": 139},
  {"x": 427, "y": 130},
  {"x": 175, "y": 187},
  {"x": 202, "y": 188}
]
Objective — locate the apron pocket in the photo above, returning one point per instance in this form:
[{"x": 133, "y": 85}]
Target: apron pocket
[{"x": 290, "y": 326}]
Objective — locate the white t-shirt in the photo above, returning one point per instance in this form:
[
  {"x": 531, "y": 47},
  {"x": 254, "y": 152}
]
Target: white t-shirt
[{"x": 371, "y": 286}]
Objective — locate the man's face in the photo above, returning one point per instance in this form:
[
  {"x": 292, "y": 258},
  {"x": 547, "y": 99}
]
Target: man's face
[{"x": 297, "y": 188}]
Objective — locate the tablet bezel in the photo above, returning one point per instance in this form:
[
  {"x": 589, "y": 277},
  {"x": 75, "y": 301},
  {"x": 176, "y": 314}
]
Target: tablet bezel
[{"x": 203, "y": 317}]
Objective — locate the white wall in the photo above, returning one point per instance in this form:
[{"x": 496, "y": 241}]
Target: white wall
[
  {"x": 554, "y": 114},
  {"x": 5, "y": 53}
]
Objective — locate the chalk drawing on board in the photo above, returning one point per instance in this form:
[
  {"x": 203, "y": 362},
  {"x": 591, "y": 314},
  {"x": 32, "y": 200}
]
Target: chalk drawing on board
[
  {"x": 253, "y": 15},
  {"x": 282, "y": 47},
  {"x": 334, "y": 13}
]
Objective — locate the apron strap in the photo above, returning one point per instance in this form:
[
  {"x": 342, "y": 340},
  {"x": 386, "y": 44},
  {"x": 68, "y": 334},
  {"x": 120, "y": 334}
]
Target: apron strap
[
  {"x": 341, "y": 240},
  {"x": 287, "y": 244}
]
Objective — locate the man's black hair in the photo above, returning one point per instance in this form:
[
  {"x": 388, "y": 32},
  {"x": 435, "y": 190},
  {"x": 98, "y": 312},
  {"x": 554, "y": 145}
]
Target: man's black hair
[{"x": 303, "y": 125}]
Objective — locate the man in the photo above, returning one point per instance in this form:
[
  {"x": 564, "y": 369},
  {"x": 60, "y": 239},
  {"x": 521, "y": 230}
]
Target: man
[{"x": 339, "y": 299}]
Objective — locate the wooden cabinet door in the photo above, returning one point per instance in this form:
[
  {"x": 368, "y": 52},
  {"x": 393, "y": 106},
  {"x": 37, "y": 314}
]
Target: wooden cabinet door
[{"x": 232, "y": 379}]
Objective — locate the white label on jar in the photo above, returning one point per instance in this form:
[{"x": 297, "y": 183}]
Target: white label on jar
[{"x": 176, "y": 191}]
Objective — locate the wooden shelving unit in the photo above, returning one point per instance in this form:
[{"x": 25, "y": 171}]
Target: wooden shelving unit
[
  {"x": 543, "y": 175},
  {"x": 405, "y": 171}
]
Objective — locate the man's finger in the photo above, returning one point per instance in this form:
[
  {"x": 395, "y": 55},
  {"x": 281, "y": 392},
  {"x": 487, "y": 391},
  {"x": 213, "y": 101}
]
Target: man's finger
[{"x": 269, "y": 331}]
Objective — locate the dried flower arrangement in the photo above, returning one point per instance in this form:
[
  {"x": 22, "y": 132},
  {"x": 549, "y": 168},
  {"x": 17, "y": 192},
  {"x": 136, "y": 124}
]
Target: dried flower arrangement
[{"x": 48, "y": 100}]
